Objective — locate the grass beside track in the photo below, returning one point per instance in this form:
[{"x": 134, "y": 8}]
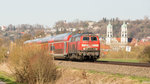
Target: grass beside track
[
  {"x": 137, "y": 78},
  {"x": 140, "y": 79},
  {"x": 119, "y": 60},
  {"x": 4, "y": 77}
]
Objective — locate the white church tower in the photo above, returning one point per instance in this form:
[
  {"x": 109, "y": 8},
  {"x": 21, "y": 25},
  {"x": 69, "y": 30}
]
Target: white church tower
[
  {"x": 109, "y": 34},
  {"x": 124, "y": 38}
]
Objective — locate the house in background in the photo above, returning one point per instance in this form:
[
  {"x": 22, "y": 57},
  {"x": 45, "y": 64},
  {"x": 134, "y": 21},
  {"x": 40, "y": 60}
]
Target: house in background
[
  {"x": 104, "y": 49},
  {"x": 3, "y": 28},
  {"x": 144, "y": 41}
]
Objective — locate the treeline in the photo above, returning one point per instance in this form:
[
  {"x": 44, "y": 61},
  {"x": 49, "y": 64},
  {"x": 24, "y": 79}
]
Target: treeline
[{"x": 138, "y": 29}]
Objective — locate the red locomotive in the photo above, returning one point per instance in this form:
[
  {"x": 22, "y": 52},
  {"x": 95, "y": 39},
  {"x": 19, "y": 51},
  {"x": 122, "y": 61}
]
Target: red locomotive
[{"x": 81, "y": 46}]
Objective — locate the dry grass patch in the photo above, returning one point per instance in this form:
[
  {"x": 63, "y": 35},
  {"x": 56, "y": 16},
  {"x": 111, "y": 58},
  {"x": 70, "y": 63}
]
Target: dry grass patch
[
  {"x": 75, "y": 76},
  {"x": 144, "y": 56},
  {"x": 122, "y": 54}
]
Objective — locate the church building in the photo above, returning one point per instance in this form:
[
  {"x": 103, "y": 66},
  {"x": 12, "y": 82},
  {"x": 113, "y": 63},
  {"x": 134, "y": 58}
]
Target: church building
[{"x": 116, "y": 43}]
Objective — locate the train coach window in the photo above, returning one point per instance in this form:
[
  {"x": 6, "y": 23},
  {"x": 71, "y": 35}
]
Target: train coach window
[
  {"x": 72, "y": 39},
  {"x": 85, "y": 38},
  {"x": 93, "y": 39},
  {"x": 77, "y": 38},
  {"x": 52, "y": 48}
]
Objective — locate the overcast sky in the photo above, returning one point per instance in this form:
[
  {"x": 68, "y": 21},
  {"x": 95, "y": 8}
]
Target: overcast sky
[{"x": 47, "y": 12}]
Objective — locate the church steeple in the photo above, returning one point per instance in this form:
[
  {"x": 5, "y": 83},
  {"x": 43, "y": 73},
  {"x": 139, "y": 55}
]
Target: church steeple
[
  {"x": 109, "y": 30},
  {"x": 109, "y": 33},
  {"x": 124, "y": 37}
]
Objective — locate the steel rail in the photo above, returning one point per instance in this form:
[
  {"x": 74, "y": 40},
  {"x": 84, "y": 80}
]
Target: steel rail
[{"x": 124, "y": 63}]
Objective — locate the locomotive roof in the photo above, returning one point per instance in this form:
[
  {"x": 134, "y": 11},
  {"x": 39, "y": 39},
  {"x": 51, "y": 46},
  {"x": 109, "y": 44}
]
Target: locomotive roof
[
  {"x": 76, "y": 35},
  {"x": 83, "y": 34}
]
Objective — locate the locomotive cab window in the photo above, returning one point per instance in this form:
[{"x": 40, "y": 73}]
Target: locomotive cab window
[
  {"x": 93, "y": 38},
  {"x": 85, "y": 38}
]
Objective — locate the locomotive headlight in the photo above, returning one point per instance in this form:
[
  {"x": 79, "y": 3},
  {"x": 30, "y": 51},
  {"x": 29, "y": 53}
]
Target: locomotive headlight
[
  {"x": 83, "y": 45},
  {"x": 95, "y": 45}
]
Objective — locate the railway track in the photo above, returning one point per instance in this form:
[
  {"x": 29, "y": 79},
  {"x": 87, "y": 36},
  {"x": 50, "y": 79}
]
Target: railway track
[
  {"x": 116, "y": 63},
  {"x": 124, "y": 63}
]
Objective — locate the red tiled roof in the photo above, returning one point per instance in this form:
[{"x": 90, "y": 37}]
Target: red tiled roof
[
  {"x": 133, "y": 42},
  {"x": 22, "y": 32},
  {"x": 144, "y": 43},
  {"x": 103, "y": 46},
  {"x": 118, "y": 39}
]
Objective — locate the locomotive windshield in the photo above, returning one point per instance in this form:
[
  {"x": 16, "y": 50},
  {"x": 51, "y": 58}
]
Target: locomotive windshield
[
  {"x": 93, "y": 38},
  {"x": 85, "y": 38}
]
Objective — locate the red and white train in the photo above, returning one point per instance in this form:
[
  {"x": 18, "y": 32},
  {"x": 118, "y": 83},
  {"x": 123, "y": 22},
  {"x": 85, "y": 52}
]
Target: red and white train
[{"x": 80, "y": 46}]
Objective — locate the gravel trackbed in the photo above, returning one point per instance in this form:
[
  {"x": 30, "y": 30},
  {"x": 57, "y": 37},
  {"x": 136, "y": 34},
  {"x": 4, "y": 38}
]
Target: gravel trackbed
[{"x": 109, "y": 68}]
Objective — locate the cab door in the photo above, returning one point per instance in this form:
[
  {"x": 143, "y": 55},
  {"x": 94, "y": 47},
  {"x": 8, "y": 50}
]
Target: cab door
[{"x": 72, "y": 45}]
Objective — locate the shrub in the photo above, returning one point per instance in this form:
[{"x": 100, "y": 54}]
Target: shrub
[
  {"x": 145, "y": 55},
  {"x": 3, "y": 52},
  {"x": 32, "y": 65}
]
